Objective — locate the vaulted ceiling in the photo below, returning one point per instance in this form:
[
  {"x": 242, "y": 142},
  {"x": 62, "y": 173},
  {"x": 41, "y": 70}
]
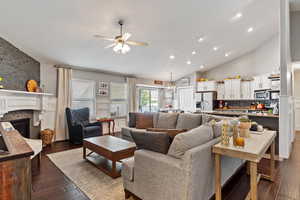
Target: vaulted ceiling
[{"x": 61, "y": 32}]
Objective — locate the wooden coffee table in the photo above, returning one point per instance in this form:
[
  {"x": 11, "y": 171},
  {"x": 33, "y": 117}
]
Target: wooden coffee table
[{"x": 107, "y": 151}]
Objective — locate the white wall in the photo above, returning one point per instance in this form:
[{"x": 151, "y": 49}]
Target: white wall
[
  {"x": 286, "y": 118},
  {"x": 295, "y": 35},
  {"x": 262, "y": 60},
  {"x": 297, "y": 98},
  {"x": 49, "y": 83},
  {"x": 49, "y": 78},
  {"x": 98, "y": 76}
]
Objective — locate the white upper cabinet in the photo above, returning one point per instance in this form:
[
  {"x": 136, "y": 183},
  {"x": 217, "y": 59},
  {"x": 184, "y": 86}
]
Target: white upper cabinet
[
  {"x": 247, "y": 91},
  {"x": 262, "y": 82},
  {"x": 206, "y": 86},
  {"x": 221, "y": 91},
  {"x": 232, "y": 89}
]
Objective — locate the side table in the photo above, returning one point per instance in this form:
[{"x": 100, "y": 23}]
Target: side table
[
  {"x": 254, "y": 150},
  {"x": 109, "y": 121}
]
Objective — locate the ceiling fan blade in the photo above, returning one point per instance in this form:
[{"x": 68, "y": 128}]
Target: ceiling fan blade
[
  {"x": 134, "y": 43},
  {"x": 104, "y": 38},
  {"x": 109, "y": 46},
  {"x": 126, "y": 36}
]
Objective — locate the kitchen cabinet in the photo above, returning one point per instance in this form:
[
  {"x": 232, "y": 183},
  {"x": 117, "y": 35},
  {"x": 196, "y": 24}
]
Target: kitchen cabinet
[
  {"x": 247, "y": 91},
  {"x": 220, "y": 91},
  {"x": 232, "y": 89},
  {"x": 206, "y": 86},
  {"x": 262, "y": 82}
]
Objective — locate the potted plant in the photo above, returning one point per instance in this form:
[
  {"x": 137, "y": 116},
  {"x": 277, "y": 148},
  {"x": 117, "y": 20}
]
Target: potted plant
[{"x": 245, "y": 125}]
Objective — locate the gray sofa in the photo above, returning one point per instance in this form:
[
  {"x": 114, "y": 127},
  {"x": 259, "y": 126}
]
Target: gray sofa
[
  {"x": 150, "y": 175},
  {"x": 165, "y": 121}
]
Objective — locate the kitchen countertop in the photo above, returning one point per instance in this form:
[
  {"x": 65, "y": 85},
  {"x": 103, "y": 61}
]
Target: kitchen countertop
[{"x": 228, "y": 112}]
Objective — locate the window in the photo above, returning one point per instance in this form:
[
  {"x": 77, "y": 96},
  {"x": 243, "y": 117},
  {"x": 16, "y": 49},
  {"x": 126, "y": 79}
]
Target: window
[
  {"x": 83, "y": 95},
  {"x": 118, "y": 91},
  {"x": 148, "y": 100},
  {"x": 186, "y": 99}
]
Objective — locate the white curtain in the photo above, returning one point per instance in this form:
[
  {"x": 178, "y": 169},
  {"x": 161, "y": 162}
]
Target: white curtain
[
  {"x": 63, "y": 101},
  {"x": 132, "y": 94}
]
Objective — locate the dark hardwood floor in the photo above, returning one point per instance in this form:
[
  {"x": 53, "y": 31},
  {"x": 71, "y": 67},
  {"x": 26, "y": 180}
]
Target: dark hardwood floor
[{"x": 50, "y": 183}]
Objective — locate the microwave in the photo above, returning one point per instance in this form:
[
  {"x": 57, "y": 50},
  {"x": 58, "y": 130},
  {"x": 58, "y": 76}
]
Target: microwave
[{"x": 262, "y": 94}]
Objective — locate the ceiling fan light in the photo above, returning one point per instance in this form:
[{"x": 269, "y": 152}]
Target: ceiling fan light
[
  {"x": 118, "y": 47},
  {"x": 125, "y": 49}
]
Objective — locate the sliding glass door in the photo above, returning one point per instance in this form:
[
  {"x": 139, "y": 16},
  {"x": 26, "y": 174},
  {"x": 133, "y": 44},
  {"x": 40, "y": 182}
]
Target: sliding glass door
[{"x": 148, "y": 100}]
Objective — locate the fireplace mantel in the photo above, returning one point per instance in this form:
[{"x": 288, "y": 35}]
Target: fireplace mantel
[
  {"x": 2, "y": 91},
  {"x": 12, "y": 100}
]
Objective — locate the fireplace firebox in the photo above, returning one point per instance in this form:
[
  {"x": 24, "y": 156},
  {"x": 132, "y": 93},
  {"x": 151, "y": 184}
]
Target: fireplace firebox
[{"x": 23, "y": 126}]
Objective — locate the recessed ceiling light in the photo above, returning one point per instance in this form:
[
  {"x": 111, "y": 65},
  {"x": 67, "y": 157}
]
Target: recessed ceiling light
[
  {"x": 215, "y": 48},
  {"x": 237, "y": 16},
  {"x": 200, "y": 39},
  {"x": 250, "y": 29},
  {"x": 193, "y": 52},
  {"x": 172, "y": 57},
  {"x": 227, "y": 54},
  {"x": 188, "y": 62},
  {"x": 201, "y": 66}
]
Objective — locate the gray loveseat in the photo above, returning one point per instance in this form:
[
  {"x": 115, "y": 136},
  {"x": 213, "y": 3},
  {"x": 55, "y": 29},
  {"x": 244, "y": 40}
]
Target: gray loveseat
[{"x": 150, "y": 175}]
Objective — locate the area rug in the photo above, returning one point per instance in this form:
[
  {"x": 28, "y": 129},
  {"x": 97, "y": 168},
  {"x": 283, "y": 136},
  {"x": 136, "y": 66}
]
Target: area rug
[{"x": 94, "y": 183}]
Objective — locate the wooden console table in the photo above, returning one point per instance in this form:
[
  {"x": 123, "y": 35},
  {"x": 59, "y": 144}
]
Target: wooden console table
[
  {"x": 254, "y": 150},
  {"x": 108, "y": 121},
  {"x": 15, "y": 166}
]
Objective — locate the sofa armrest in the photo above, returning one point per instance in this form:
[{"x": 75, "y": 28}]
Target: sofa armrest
[
  {"x": 158, "y": 176},
  {"x": 94, "y": 124},
  {"x": 199, "y": 161}
]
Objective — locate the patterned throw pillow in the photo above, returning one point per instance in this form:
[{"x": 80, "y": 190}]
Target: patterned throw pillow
[{"x": 217, "y": 127}]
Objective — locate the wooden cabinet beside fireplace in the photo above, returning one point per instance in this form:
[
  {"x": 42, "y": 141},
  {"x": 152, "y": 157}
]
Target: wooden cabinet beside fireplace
[{"x": 15, "y": 168}]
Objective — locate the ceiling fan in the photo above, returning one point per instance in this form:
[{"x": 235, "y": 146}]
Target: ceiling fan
[{"x": 121, "y": 43}]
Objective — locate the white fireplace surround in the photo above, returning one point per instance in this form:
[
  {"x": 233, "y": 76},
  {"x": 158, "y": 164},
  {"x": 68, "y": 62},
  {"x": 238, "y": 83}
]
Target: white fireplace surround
[{"x": 42, "y": 104}]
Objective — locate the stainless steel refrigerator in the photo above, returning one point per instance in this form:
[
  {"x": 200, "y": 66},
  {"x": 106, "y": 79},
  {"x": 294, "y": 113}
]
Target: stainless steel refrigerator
[{"x": 205, "y": 101}]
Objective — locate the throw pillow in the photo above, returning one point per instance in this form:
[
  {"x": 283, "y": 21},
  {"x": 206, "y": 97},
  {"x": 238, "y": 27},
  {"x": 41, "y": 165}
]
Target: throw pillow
[
  {"x": 167, "y": 120},
  {"x": 144, "y": 120},
  {"x": 171, "y": 132},
  {"x": 188, "y": 121},
  {"x": 217, "y": 127},
  {"x": 207, "y": 118},
  {"x": 190, "y": 139},
  {"x": 152, "y": 141}
]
